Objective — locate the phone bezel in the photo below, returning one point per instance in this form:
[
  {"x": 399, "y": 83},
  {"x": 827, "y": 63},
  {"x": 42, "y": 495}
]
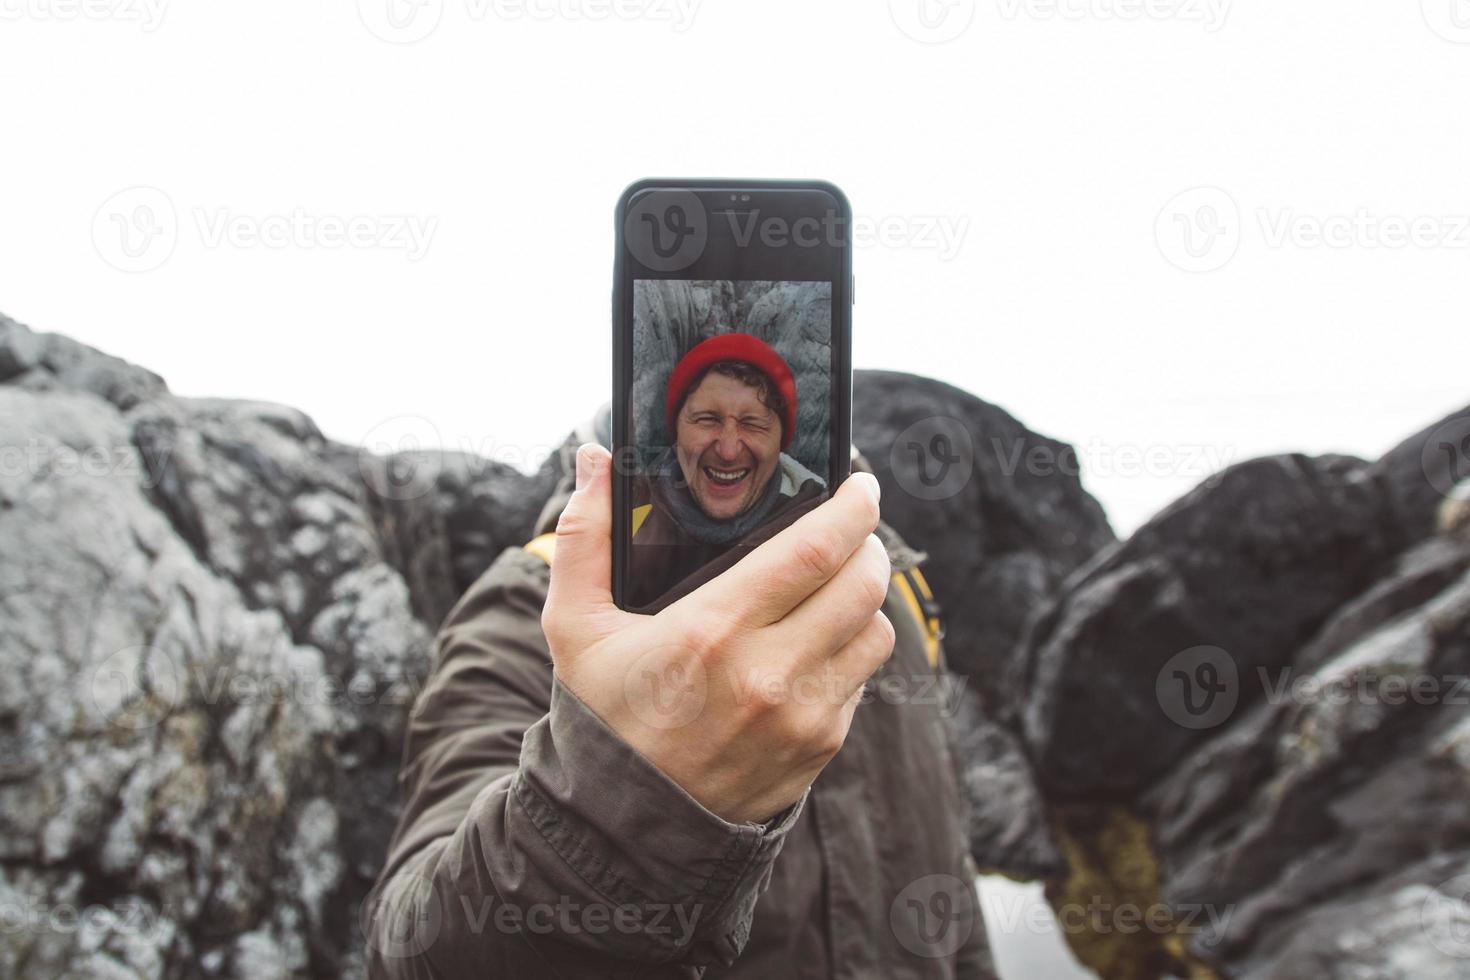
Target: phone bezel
[{"x": 626, "y": 268}]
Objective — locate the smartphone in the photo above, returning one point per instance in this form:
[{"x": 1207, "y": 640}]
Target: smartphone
[{"x": 732, "y": 373}]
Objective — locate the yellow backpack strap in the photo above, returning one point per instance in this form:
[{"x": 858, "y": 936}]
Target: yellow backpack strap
[
  {"x": 543, "y": 546},
  {"x": 640, "y": 514},
  {"x": 916, "y": 595}
]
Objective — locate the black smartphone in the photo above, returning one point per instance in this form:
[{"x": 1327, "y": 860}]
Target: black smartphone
[{"x": 732, "y": 373}]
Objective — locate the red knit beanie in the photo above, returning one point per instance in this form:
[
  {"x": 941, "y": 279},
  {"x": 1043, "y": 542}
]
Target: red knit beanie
[{"x": 734, "y": 347}]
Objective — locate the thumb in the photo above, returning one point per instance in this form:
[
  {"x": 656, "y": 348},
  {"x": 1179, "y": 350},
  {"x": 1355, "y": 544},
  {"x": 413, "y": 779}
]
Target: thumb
[{"x": 581, "y": 567}]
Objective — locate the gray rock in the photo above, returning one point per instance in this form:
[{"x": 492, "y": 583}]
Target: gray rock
[
  {"x": 1243, "y": 569},
  {"x": 51, "y": 361},
  {"x": 209, "y": 664}
]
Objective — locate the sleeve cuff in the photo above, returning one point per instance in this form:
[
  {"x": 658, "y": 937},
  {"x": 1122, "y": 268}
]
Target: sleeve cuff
[{"x": 635, "y": 838}]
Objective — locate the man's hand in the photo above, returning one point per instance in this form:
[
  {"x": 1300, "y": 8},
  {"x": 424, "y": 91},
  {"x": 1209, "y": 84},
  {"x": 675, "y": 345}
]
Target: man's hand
[{"x": 743, "y": 690}]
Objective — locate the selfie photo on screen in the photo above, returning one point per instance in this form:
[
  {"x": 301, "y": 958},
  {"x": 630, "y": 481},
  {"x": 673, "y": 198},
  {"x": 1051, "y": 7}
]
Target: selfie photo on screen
[{"x": 731, "y": 401}]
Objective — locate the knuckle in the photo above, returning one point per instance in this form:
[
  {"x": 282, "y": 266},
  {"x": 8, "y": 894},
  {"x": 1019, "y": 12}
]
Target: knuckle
[
  {"x": 710, "y": 634},
  {"x": 827, "y": 741},
  {"x": 571, "y": 523},
  {"x": 818, "y": 554},
  {"x": 887, "y": 636},
  {"x": 874, "y": 585}
]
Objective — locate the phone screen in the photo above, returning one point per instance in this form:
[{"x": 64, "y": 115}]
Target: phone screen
[{"x": 732, "y": 385}]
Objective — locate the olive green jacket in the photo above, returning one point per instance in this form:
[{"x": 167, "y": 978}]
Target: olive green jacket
[{"x": 534, "y": 842}]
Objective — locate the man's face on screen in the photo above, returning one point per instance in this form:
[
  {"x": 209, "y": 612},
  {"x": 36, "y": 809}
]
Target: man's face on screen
[{"x": 728, "y": 445}]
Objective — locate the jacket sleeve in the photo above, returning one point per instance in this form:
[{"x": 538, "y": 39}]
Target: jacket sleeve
[{"x": 535, "y": 842}]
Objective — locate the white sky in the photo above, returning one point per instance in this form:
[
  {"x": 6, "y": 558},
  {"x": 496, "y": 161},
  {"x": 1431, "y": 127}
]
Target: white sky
[{"x": 1046, "y": 138}]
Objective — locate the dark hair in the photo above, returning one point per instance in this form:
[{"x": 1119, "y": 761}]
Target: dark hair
[{"x": 748, "y": 374}]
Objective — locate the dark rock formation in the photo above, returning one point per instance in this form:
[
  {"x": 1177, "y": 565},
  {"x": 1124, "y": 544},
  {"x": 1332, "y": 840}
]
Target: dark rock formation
[
  {"x": 1422, "y": 470},
  {"x": 1248, "y": 564},
  {"x": 1309, "y": 818},
  {"x": 999, "y": 509}
]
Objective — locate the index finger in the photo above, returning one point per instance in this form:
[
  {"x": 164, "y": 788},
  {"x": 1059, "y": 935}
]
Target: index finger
[{"x": 773, "y": 579}]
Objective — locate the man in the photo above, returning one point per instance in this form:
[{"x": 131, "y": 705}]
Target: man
[
  {"x": 705, "y": 792},
  {"x": 730, "y": 405}
]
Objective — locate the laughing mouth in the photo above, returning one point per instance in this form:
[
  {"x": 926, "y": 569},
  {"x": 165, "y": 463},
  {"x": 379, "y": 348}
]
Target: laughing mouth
[{"x": 726, "y": 478}]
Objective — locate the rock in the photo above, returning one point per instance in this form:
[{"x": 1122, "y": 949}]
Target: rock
[
  {"x": 1354, "y": 768},
  {"x": 1003, "y": 522},
  {"x": 209, "y": 665},
  {"x": 1009, "y": 831},
  {"x": 443, "y": 517},
  {"x": 1231, "y": 578},
  {"x": 1454, "y": 512},
  {"x": 48, "y": 361},
  {"x": 1422, "y": 470}
]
